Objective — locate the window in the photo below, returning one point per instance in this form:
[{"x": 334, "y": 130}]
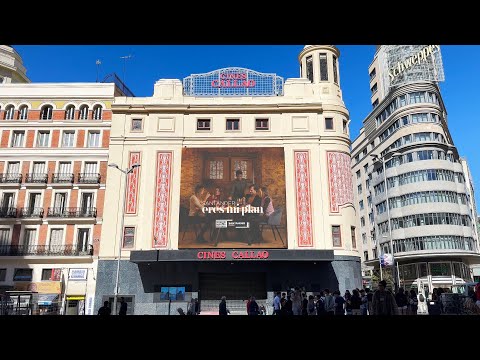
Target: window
[
  {"x": 46, "y": 112},
  {"x": 374, "y": 88},
  {"x": 56, "y": 239},
  {"x": 68, "y": 139},
  {"x": 83, "y": 241},
  {"x": 354, "y": 237},
  {"x": 328, "y": 123},
  {"x": 17, "y": 138},
  {"x": 97, "y": 112},
  {"x": 13, "y": 170},
  {"x": 335, "y": 72},
  {"x": 93, "y": 139},
  {"x": 323, "y": 67},
  {"x": 90, "y": 168},
  {"x": 43, "y": 138},
  {"x": 374, "y": 253},
  {"x": 233, "y": 124},
  {"x": 4, "y": 237},
  {"x": 364, "y": 238},
  {"x": 129, "y": 237},
  {"x": 345, "y": 126},
  {"x": 47, "y": 274},
  {"x": 336, "y": 236},
  {"x": 440, "y": 269},
  {"x": 365, "y": 255},
  {"x": 22, "y": 275},
  {"x": 137, "y": 125},
  {"x": 23, "y": 112},
  {"x": 358, "y": 174},
  {"x": 362, "y": 221},
  {"x": 204, "y": 125},
  {"x": 261, "y": 124},
  {"x": 375, "y": 104},
  {"x": 83, "y": 115},
  {"x": 9, "y": 112},
  {"x": 309, "y": 62},
  {"x": 373, "y": 73},
  {"x": 70, "y": 112},
  {"x": 359, "y": 189},
  {"x": 29, "y": 239},
  {"x": 3, "y": 274},
  {"x": 360, "y": 204}
]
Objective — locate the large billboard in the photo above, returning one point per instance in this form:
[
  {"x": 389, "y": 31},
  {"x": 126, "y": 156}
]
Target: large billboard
[
  {"x": 403, "y": 64},
  {"x": 232, "y": 198}
]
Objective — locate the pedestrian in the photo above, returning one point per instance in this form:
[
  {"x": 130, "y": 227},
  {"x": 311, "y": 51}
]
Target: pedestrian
[
  {"x": 339, "y": 303},
  {"x": 297, "y": 302},
  {"x": 105, "y": 309},
  {"x": 276, "y": 304},
  {"x": 356, "y": 303},
  {"x": 222, "y": 307},
  {"x": 402, "y": 302},
  {"x": 383, "y": 301},
  {"x": 253, "y": 308},
  {"x": 123, "y": 307},
  {"x": 413, "y": 302},
  {"x": 191, "y": 307},
  {"x": 311, "y": 309},
  {"x": 329, "y": 303}
]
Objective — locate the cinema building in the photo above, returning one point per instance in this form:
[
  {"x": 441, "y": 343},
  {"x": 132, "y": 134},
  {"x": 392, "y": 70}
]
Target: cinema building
[
  {"x": 412, "y": 189},
  {"x": 218, "y": 133},
  {"x": 53, "y": 160}
]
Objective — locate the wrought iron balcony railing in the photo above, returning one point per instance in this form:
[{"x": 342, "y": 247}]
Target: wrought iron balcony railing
[
  {"x": 44, "y": 250},
  {"x": 36, "y": 178},
  {"x": 27, "y": 212},
  {"x": 10, "y": 178},
  {"x": 89, "y": 178},
  {"x": 72, "y": 212},
  {"x": 8, "y": 212},
  {"x": 62, "y": 178}
]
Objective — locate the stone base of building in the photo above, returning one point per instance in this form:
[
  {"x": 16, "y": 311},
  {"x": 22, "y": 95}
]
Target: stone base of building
[{"x": 160, "y": 288}]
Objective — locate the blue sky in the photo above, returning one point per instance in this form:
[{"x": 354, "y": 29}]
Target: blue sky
[{"x": 151, "y": 62}]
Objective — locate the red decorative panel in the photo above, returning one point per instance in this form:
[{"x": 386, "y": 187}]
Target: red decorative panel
[
  {"x": 339, "y": 180},
  {"x": 162, "y": 199},
  {"x": 132, "y": 184},
  {"x": 304, "y": 203}
]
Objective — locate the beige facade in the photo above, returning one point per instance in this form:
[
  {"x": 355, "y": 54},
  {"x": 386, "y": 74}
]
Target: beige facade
[{"x": 296, "y": 124}]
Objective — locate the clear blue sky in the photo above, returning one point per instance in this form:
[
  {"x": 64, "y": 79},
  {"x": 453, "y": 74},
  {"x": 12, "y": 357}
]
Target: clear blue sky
[{"x": 150, "y": 63}]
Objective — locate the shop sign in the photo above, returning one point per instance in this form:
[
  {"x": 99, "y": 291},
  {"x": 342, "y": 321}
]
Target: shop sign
[
  {"x": 78, "y": 274},
  {"x": 44, "y": 287}
]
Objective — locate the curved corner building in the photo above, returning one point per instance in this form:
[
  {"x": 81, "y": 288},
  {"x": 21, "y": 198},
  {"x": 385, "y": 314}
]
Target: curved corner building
[
  {"x": 191, "y": 138},
  {"x": 426, "y": 210}
]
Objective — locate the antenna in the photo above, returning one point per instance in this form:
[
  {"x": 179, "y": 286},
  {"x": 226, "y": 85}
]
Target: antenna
[
  {"x": 125, "y": 58},
  {"x": 98, "y": 63}
]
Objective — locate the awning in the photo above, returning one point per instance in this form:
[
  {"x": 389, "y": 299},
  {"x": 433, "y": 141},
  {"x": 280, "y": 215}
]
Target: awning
[{"x": 47, "y": 299}]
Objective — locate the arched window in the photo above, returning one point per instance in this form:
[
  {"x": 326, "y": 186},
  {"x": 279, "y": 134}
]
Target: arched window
[
  {"x": 70, "y": 112},
  {"x": 97, "y": 112},
  {"x": 23, "y": 112},
  {"x": 9, "y": 112},
  {"x": 46, "y": 112},
  {"x": 83, "y": 112}
]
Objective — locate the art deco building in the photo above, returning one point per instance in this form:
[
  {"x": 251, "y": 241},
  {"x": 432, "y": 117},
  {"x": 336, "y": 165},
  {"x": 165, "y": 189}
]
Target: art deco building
[
  {"x": 423, "y": 202},
  {"x": 290, "y": 139}
]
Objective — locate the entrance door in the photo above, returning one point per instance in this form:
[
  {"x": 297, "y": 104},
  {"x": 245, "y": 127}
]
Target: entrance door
[{"x": 239, "y": 286}]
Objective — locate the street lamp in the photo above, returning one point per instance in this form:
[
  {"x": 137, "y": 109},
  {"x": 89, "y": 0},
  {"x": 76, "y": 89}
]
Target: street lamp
[
  {"x": 382, "y": 160},
  {"x": 125, "y": 172}
]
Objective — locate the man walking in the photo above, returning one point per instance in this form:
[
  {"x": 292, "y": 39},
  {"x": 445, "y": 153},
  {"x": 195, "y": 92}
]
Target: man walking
[{"x": 383, "y": 301}]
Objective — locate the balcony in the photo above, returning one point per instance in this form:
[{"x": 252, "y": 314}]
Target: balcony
[
  {"x": 89, "y": 178},
  {"x": 11, "y": 179},
  {"x": 44, "y": 250},
  {"x": 62, "y": 179},
  {"x": 33, "y": 178},
  {"x": 8, "y": 212},
  {"x": 72, "y": 212},
  {"x": 31, "y": 213}
]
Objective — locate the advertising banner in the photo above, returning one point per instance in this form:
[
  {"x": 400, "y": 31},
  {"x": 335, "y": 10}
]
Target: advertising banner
[{"x": 232, "y": 198}]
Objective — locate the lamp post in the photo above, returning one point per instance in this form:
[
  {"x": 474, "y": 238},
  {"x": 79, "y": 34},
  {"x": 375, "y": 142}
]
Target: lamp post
[
  {"x": 382, "y": 160},
  {"x": 125, "y": 172}
]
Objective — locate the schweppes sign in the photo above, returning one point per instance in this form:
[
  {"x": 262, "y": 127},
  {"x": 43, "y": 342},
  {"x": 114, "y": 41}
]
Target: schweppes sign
[{"x": 422, "y": 56}]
